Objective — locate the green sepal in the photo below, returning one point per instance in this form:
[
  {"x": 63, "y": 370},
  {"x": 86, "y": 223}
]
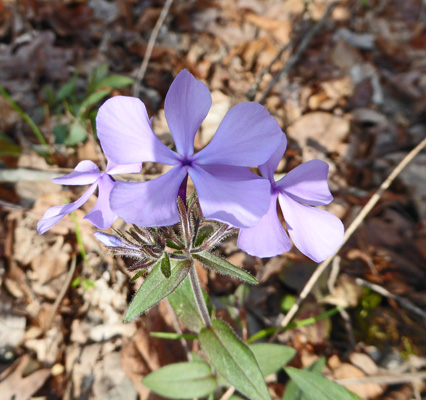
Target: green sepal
[
  {"x": 155, "y": 287},
  {"x": 140, "y": 273},
  {"x": 233, "y": 360},
  {"x": 203, "y": 233},
  {"x": 165, "y": 265},
  {"x": 222, "y": 266}
]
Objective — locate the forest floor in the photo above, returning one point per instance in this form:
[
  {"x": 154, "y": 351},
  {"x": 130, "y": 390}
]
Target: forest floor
[{"x": 355, "y": 98}]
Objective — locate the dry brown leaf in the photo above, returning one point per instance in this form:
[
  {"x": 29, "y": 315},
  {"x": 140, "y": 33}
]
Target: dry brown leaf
[
  {"x": 281, "y": 30},
  {"x": 366, "y": 390},
  {"x": 321, "y": 131},
  {"x": 14, "y": 386}
]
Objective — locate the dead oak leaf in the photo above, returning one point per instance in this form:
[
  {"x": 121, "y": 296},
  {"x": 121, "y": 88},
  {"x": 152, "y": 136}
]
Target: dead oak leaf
[{"x": 13, "y": 385}]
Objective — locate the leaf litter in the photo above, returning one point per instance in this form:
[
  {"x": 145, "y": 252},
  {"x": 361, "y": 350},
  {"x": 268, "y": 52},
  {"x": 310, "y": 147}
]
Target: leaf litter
[{"x": 355, "y": 100}]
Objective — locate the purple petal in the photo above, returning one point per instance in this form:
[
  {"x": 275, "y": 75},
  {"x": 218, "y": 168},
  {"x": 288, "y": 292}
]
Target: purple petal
[
  {"x": 101, "y": 214},
  {"x": 247, "y": 136},
  {"x": 230, "y": 173},
  {"x": 126, "y": 135},
  {"x": 187, "y": 103},
  {"x": 54, "y": 214},
  {"x": 241, "y": 203},
  {"x": 307, "y": 183},
  {"x": 112, "y": 241},
  {"x": 267, "y": 239},
  {"x": 150, "y": 203},
  {"x": 316, "y": 233},
  {"x": 113, "y": 168},
  {"x": 268, "y": 169},
  {"x": 85, "y": 173}
]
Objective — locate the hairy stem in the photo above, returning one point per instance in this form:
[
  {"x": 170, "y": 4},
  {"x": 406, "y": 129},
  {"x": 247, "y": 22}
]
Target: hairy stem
[{"x": 199, "y": 296}]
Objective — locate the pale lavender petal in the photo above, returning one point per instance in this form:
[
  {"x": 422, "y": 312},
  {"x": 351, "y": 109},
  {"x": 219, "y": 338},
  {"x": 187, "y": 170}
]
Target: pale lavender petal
[
  {"x": 315, "y": 232},
  {"x": 150, "y": 203},
  {"x": 230, "y": 173},
  {"x": 101, "y": 214},
  {"x": 267, "y": 239},
  {"x": 54, "y": 214},
  {"x": 85, "y": 173},
  {"x": 126, "y": 135},
  {"x": 112, "y": 241},
  {"x": 307, "y": 183},
  {"x": 113, "y": 168},
  {"x": 268, "y": 169},
  {"x": 187, "y": 103},
  {"x": 240, "y": 203},
  {"x": 247, "y": 136}
]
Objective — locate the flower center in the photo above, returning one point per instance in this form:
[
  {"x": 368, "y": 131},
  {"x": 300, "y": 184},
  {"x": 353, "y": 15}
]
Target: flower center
[{"x": 186, "y": 162}]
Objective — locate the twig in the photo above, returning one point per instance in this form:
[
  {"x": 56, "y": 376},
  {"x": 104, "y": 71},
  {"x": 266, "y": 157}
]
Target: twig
[
  {"x": 150, "y": 47},
  {"x": 176, "y": 326},
  {"x": 385, "y": 379},
  {"x": 26, "y": 174},
  {"x": 352, "y": 228},
  {"x": 403, "y": 302},
  {"x": 62, "y": 293},
  {"x": 251, "y": 93},
  {"x": 228, "y": 393},
  {"x": 335, "y": 269},
  {"x": 294, "y": 59},
  {"x": 97, "y": 146}
]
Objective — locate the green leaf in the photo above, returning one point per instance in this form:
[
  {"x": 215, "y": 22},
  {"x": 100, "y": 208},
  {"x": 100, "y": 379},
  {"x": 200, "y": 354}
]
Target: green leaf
[
  {"x": 26, "y": 118},
  {"x": 95, "y": 76},
  {"x": 91, "y": 100},
  {"x": 156, "y": 287},
  {"x": 271, "y": 357},
  {"x": 114, "y": 81},
  {"x": 173, "y": 336},
  {"x": 292, "y": 391},
  {"x": 183, "y": 302},
  {"x": 8, "y": 148},
  {"x": 222, "y": 266},
  {"x": 316, "y": 387},
  {"x": 76, "y": 134},
  {"x": 184, "y": 380},
  {"x": 165, "y": 265},
  {"x": 233, "y": 360},
  {"x": 66, "y": 90}
]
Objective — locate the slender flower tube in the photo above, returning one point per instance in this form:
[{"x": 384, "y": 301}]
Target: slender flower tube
[
  {"x": 87, "y": 173},
  {"x": 315, "y": 232},
  {"x": 247, "y": 136}
]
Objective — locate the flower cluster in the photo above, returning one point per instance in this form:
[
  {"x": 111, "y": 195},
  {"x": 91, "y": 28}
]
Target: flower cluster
[{"x": 227, "y": 190}]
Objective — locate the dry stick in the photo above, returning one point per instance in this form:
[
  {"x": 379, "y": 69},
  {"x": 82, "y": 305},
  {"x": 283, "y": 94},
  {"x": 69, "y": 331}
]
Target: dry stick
[
  {"x": 62, "y": 293},
  {"x": 228, "y": 393},
  {"x": 335, "y": 269},
  {"x": 150, "y": 47},
  {"x": 382, "y": 291},
  {"x": 176, "y": 326},
  {"x": 385, "y": 379},
  {"x": 352, "y": 228},
  {"x": 296, "y": 56},
  {"x": 251, "y": 93}
]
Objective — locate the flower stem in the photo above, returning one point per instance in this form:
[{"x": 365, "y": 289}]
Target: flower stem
[{"x": 199, "y": 296}]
